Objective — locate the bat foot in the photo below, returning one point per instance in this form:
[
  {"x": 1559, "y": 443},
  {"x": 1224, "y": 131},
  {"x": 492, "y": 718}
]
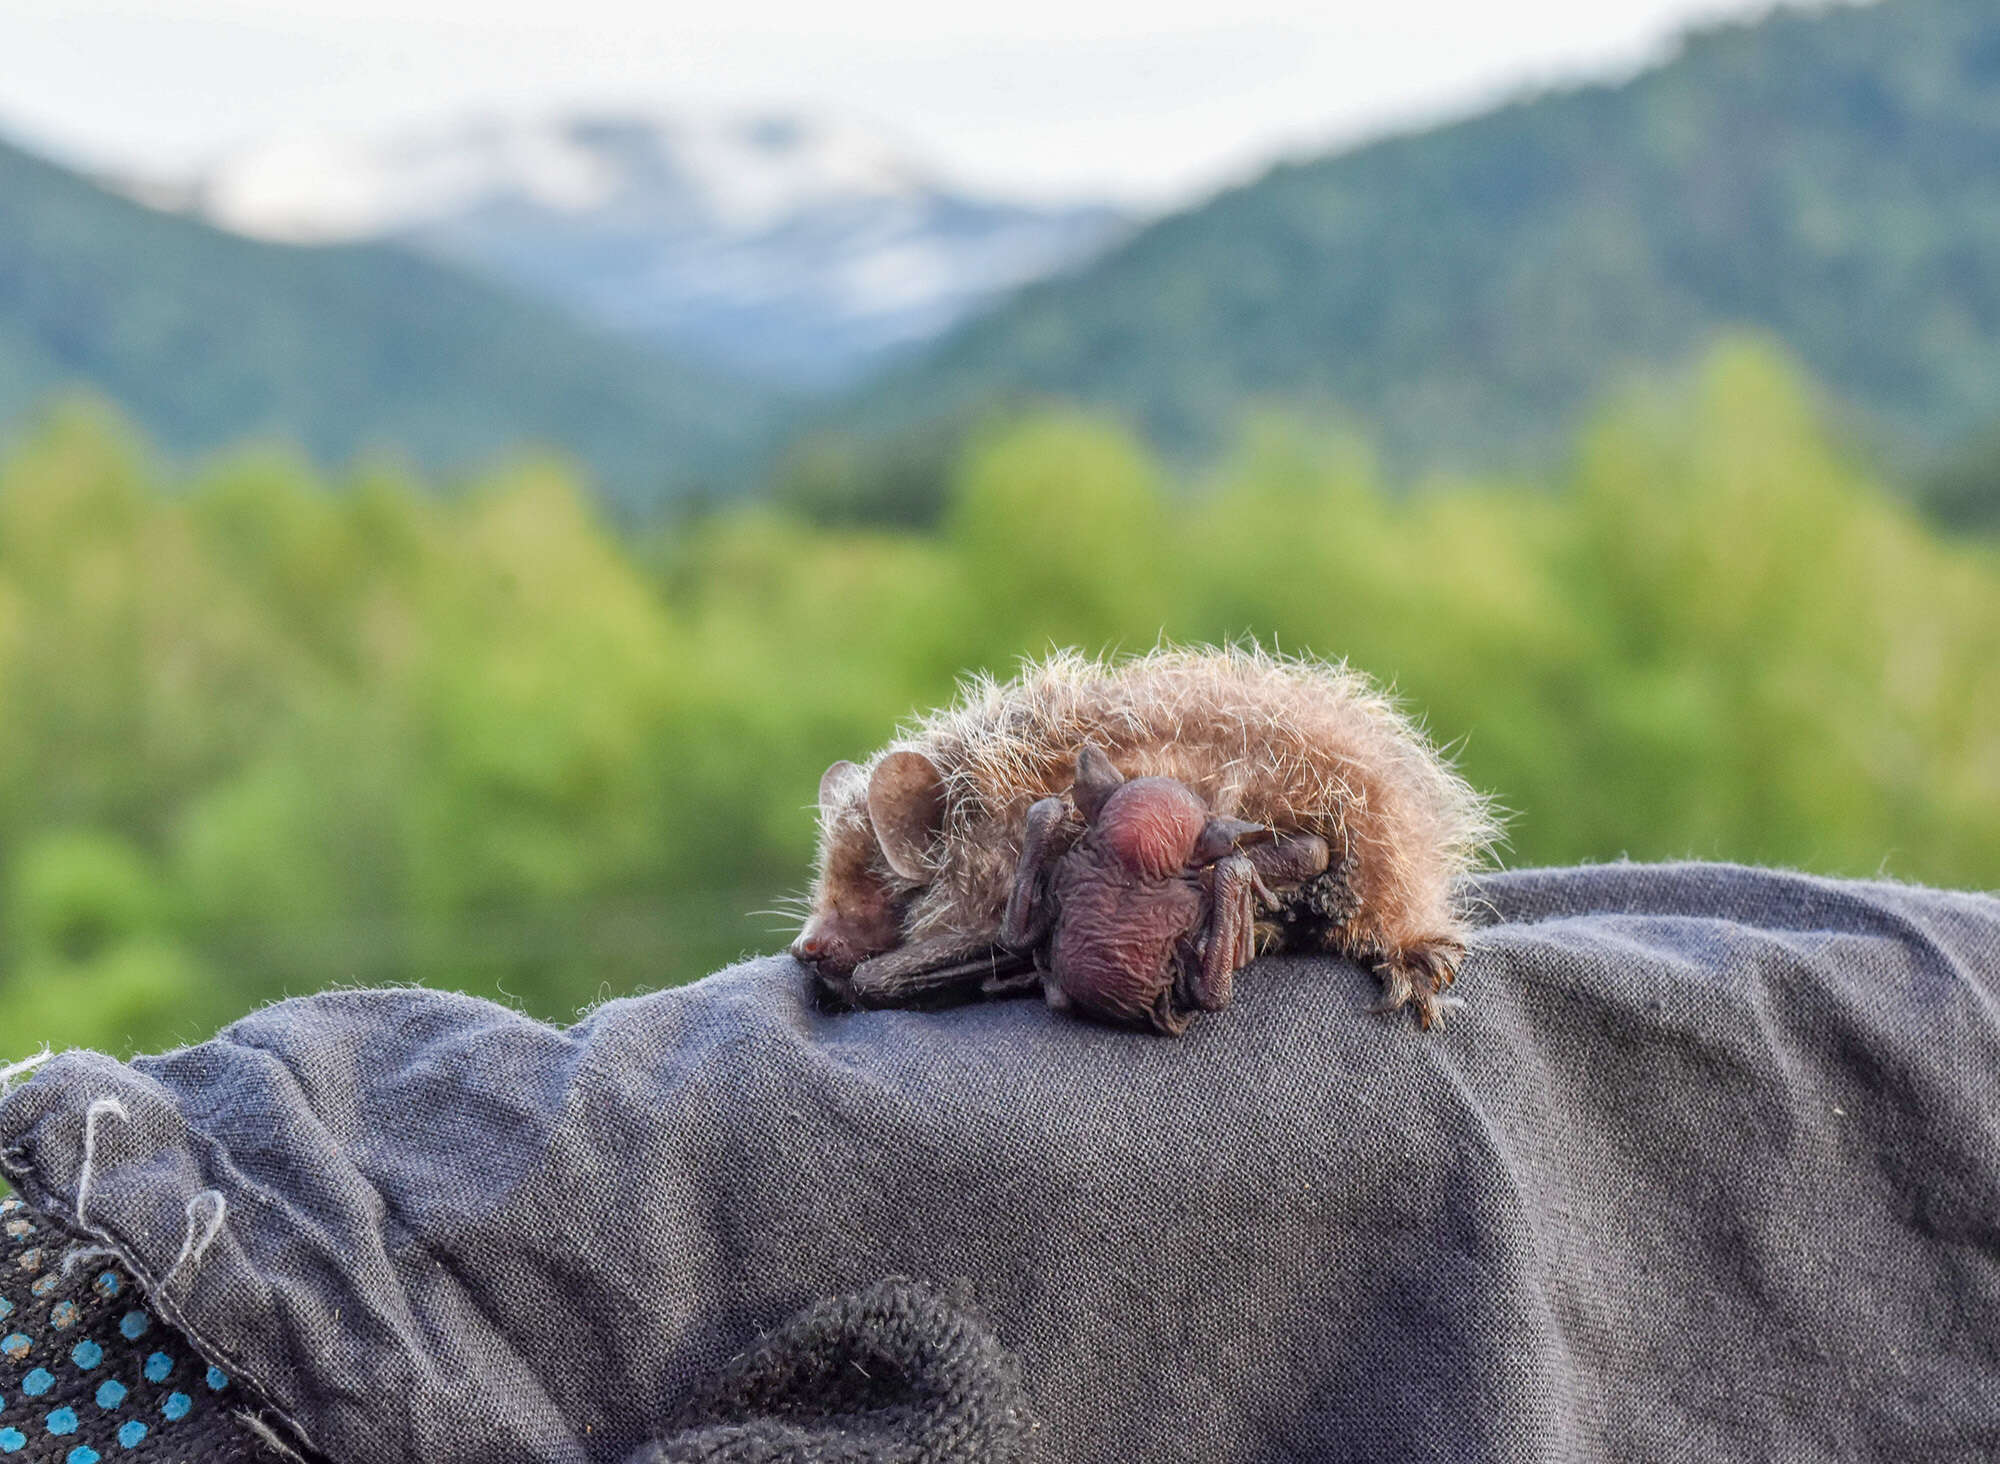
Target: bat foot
[
  {"x": 1169, "y": 1017},
  {"x": 1415, "y": 976}
]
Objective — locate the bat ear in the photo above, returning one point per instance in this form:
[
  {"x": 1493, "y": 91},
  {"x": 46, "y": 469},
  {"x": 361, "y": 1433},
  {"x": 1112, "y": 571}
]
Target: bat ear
[
  {"x": 832, "y": 780},
  {"x": 906, "y": 806},
  {"x": 1096, "y": 780},
  {"x": 1220, "y": 836}
]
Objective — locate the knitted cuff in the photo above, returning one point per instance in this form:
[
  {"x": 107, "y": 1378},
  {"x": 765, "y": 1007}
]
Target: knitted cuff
[{"x": 894, "y": 1374}]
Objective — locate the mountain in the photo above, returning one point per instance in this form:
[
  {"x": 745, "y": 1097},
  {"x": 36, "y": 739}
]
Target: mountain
[
  {"x": 205, "y": 338},
  {"x": 1830, "y": 178},
  {"x": 801, "y": 252}
]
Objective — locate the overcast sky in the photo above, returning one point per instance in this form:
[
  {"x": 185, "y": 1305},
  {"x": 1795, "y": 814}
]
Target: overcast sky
[{"x": 1146, "y": 100}]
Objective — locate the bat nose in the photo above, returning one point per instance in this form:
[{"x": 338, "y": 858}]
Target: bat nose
[{"x": 808, "y": 948}]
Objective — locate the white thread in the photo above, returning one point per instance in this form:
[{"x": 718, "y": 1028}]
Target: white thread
[
  {"x": 76, "y": 1255},
  {"x": 268, "y": 1436},
  {"x": 14, "y": 1072},
  {"x": 84, "y": 1175},
  {"x": 193, "y": 1248}
]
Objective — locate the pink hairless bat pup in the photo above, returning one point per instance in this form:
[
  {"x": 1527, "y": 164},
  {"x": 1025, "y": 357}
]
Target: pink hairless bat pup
[{"x": 1148, "y": 902}]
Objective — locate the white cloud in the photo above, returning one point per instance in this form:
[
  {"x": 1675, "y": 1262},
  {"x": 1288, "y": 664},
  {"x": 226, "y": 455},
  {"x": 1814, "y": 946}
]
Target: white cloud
[{"x": 1147, "y": 99}]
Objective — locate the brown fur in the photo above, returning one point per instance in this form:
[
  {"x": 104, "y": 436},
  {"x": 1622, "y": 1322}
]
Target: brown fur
[{"x": 1296, "y": 744}]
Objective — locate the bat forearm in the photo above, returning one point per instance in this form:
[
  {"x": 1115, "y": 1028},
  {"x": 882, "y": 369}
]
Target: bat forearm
[{"x": 1029, "y": 915}]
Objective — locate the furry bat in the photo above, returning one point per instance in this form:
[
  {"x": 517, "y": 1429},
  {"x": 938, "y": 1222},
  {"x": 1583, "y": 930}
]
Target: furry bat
[{"x": 919, "y": 848}]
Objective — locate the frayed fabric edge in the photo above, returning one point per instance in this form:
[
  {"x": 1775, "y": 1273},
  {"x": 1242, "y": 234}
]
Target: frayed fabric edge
[
  {"x": 13, "y": 1072},
  {"x": 258, "y": 1425}
]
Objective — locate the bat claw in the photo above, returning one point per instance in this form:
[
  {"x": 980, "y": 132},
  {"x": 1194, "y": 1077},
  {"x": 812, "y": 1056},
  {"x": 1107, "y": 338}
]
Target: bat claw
[{"x": 1415, "y": 976}]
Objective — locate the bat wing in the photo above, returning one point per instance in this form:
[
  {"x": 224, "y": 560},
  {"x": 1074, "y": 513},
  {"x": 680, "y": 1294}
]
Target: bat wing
[{"x": 939, "y": 972}]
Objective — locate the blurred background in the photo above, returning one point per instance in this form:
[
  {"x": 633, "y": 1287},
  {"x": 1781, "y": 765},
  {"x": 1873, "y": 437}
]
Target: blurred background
[{"x": 464, "y": 473}]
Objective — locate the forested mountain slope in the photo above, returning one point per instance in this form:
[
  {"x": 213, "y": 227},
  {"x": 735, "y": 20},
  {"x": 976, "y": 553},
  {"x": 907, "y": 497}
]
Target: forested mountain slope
[
  {"x": 1827, "y": 177},
  {"x": 205, "y": 338}
]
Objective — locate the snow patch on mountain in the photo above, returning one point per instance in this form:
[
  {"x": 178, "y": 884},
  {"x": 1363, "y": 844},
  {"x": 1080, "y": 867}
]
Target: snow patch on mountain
[
  {"x": 321, "y": 190},
  {"x": 804, "y": 251}
]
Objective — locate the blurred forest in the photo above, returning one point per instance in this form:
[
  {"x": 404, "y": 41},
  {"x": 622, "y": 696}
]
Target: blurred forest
[
  {"x": 261, "y": 732},
  {"x": 1824, "y": 174}
]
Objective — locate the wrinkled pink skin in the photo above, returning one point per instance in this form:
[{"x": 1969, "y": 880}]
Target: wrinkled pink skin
[
  {"x": 1149, "y": 904},
  {"x": 1132, "y": 910}
]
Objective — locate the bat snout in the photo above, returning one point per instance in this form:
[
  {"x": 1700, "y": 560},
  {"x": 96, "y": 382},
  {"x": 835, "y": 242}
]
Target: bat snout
[
  {"x": 826, "y": 952},
  {"x": 811, "y": 949}
]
